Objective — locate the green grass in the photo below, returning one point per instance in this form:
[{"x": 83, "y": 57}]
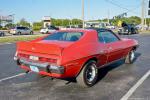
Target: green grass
[{"x": 12, "y": 39}]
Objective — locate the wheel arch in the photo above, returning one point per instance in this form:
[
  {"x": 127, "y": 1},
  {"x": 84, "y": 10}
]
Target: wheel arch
[
  {"x": 135, "y": 47},
  {"x": 89, "y": 59}
]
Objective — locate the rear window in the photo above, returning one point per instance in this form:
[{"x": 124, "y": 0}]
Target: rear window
[{"x": 65, "y": 36}]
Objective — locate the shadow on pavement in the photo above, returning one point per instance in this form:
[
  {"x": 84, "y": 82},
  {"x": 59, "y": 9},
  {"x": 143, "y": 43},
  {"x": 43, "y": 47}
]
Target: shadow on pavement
[{"x": 104, "y": 71}]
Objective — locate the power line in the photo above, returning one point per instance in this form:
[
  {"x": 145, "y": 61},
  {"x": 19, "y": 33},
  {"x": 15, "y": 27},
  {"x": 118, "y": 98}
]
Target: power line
[
  {"x": 115, "y": 4},
  {"x": 125, "y": 5}
]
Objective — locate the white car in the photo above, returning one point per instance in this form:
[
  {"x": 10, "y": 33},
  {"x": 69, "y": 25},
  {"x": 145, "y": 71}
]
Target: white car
[
  {"x": 110, "y": 27},
  {"x": 21, "y": 30},
  {"x": 48, "y": 30},
  {"x": 140, "y": 27}
]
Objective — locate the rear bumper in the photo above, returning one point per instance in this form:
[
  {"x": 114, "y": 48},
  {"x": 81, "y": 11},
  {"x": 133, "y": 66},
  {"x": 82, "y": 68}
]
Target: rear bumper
[{"x": 43, "y": 67}]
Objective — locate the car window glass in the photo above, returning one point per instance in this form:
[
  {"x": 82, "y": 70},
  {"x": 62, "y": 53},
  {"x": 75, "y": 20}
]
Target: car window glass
[
  {"x": 21, "y": 28},
  {"x": 107, "y": 37},
  {"x": 64, "y": 36},
  {"x": 100, "y": 37},
  {"x": 26, "y": 28},
  {"x": 18, "y": 28},
  {"x": 73, "y": 36}
]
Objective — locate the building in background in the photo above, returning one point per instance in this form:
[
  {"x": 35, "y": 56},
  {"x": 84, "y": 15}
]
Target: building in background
[
  {"x": 46, "y": 21},
  {"x": 4, "y": 20}
]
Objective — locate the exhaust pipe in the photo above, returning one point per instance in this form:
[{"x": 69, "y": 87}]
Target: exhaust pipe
[{"x": 27, "y": 72}]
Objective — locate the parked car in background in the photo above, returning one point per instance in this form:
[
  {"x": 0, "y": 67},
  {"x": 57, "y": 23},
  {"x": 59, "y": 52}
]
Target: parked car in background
[
  {"x": 2, "y": 34},
  {"x": 75, "y": 54},
  {"x": 49, "y": 30},
  {"x": 21, "y": 30},
  {"x": 139, "y": 27},
  {"x": 128, "y": 29}
]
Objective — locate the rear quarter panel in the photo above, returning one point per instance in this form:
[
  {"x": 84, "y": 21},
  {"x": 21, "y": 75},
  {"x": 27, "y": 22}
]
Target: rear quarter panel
[
  {"x": 75, "y": 56},
  {"x": 129, "y": 44}
]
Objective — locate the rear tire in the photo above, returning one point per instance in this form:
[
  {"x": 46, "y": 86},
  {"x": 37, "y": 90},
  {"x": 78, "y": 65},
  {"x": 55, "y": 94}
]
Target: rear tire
[
  {"x": 2, "y": 34},
  {"x": 31, "y": 33},
  {"x": 19, "y": 33},
  {"x": 130, "y": 57},
  {"x": 119, "y": 33},
  {"x": 88, "y": 75}
]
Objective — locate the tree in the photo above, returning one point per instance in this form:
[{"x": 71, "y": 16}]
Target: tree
[
  {"x": 10, "y": 25},
  {"x": 76, "y": 21},
  {"x": 37, "y": 26},
  {"x": 130, "y": 20},
  {"x": 65, "y": 22},
  {"x": 23, "y": 22}
]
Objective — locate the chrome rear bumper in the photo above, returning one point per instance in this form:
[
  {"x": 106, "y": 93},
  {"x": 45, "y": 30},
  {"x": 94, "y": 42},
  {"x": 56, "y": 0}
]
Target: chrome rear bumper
[{"x": 41, "y": 66}]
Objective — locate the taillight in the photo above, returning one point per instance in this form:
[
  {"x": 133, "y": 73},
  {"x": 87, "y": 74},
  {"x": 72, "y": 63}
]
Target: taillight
[
  {"x": 52, "y": 60},
  {"x": 48, "y": 60},
  {"x": 23, "y": 55},
  {"x": 43, "y": 59}
]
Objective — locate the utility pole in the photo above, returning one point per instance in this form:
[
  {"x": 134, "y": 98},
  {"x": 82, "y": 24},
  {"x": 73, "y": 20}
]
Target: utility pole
[
  {"x": 146, "y": 10},
  {"x": 142, "y": 13},
  {"x": 83, "y": 14},
  {"x": 149, "y": 10},
  {"x": 108, "y": 16}
]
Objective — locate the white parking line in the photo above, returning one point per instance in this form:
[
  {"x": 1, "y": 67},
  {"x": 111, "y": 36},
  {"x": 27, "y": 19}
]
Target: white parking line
[
  {"x": 132, "y": 90},
  {"x": 7, "y": 78}
]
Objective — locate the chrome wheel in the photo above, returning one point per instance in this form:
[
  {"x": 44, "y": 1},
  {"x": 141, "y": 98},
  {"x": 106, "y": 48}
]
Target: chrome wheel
[
  {"x": 90, "y": 73},
  {"x": 132, "y": 55}
]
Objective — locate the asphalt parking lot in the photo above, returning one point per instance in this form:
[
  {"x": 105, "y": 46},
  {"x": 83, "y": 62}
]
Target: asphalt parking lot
[{"x": 115, "y": 81}]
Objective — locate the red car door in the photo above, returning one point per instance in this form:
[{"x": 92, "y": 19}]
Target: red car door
[
  {"x": 115, "y": 51},
  {"x": 103, "y": 51},
  {"x": 113, "y": 45}
]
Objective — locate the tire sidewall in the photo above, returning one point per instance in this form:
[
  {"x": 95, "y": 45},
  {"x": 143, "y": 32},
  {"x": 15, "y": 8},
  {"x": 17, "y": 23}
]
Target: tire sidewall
[
  {"x": 31, "y": 33},
  {"x": 84, "y": 74},
  {"x": 130, "y": 59},
  {"x": 19, "y": 33}
]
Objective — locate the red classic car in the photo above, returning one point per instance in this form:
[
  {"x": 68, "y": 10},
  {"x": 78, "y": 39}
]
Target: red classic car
[{"x": 75, "y": 54}]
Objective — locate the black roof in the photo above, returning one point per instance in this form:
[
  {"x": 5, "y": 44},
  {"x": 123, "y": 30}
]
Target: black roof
[{"x": 99, "y": 29}]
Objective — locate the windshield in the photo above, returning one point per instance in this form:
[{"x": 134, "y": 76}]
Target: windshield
[{"x": 64, "y": 36}]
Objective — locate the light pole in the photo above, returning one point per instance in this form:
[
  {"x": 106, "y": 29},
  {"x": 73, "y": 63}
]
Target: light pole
[
  {"x": 83, "y": 14},
  {"x": 142, "y": 13},
  {"x": 13, "y": 17},
  {"x": 149, "y": 8},
  {"x": 108, "y": 16}
]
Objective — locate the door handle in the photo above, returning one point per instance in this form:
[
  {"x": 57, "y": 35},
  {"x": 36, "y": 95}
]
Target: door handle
[{"x": 103, "y": 51}]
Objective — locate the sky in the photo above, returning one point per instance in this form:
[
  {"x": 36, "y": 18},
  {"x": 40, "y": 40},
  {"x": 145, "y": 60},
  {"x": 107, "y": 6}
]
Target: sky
[{"x": 34, "y": 10}]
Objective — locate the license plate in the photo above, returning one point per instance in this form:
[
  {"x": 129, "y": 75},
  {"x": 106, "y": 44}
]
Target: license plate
[
  {"x": 34, "y": 69},
  {"x": 34, "y": 58}
]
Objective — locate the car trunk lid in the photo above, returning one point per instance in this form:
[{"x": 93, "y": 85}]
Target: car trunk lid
[{"x": 43, "y": 47}]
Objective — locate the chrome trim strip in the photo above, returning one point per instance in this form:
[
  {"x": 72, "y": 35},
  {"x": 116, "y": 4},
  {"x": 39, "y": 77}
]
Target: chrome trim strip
[
  {"x": 110, "y": 63},
  {"x": 43, "y": 65}
]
